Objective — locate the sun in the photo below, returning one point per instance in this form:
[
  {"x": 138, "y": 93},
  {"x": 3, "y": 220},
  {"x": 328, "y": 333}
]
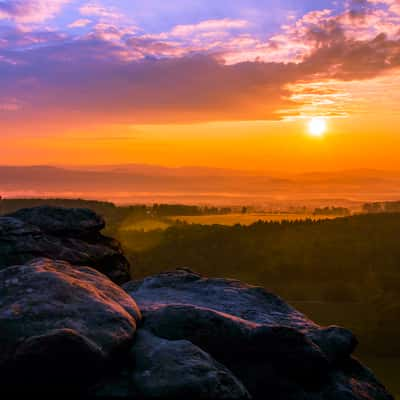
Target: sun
[{"x": 317, "y": 126}]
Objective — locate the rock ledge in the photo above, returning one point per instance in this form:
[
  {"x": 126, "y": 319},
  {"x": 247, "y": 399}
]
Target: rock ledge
[{"x": 72, "y": 235}]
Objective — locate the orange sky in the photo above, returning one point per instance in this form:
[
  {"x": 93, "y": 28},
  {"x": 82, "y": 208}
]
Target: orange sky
[
  {"x": 205, "y": 91},
  {"x": 353, "y": 142}
]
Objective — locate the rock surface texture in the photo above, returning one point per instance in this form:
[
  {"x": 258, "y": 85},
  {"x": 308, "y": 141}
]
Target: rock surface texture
[
  {"x": 166, "y": 369},
  {"x": 60, "y": 325},
  {"x": 71, "y": 235},
  {"x": 274, "y": 350}
]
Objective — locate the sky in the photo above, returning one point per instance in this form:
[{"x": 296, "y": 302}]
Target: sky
[{"x": 219, "y": 83}]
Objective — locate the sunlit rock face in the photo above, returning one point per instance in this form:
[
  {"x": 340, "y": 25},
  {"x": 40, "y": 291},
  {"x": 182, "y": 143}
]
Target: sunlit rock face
[
  {"x": 274, "y": 350},
  {"x": 71, "y": 235},
  {"x": 60, "y": 326}
]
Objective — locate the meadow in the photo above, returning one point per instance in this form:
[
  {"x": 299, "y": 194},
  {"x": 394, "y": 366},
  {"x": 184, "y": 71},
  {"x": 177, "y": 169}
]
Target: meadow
[
  {"x": 247, "y": 219},
  {"x": 231, "y": 219}
]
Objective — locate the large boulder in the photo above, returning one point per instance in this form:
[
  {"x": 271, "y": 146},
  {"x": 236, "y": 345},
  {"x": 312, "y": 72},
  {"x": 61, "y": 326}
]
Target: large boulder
[
  {"x": 276, "y": 351},
  {"x": 62, "y": 221},
  {"x": 60, "y": 326},
  {"x": 229, "y": 338},
  {"x": 164, "y": 369},
  {"x": 71, "y": 235}
]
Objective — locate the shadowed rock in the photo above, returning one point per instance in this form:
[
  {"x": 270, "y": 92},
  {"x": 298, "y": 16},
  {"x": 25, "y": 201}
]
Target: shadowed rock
[
  {"x": 164, "y": 369},
  {"x": 71, "y": 235},
  {"x": 61, "y": 221},
  {"x": 60, "y": 325},
  {"x": 62, "y": 358},
  {"x": 229, "y": 338},
  {"x": 276, "y": 351}
]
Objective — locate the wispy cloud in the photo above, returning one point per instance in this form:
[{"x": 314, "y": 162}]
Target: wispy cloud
[
  {"x": 28, "y": 11},
  {"x": 80, "y": 23},
  {"x": 212, "y": 25},
  {"x": 9, "y": 104},
  {"x": 99, "y": 10}
]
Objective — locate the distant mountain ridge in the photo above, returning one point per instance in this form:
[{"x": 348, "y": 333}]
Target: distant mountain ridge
[{"x": 137, "y": 182}]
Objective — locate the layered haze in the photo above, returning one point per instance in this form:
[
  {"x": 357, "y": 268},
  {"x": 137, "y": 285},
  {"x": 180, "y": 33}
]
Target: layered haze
[{"x": 127, "y": 184}]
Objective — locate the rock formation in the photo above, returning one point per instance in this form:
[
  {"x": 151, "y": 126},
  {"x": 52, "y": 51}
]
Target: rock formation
[
  {"x": 273, "y": 349},
  {"x": 60, "y": 325},
  {"x": 172, "y": 369},
  {"x": 65, "y": 327},
  {"x": 71, "y": 235}
]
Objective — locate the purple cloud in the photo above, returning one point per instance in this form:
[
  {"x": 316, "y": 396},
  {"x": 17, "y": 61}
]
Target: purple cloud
[
  {"x": 27, "y": 11},
  {"x": 98, "y": 10},
  {"x": 80, "y": 23}
]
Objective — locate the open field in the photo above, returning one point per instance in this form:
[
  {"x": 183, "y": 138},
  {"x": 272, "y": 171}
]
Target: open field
[
  {"x": 146, "y": 225},
  {"x": 247, "y": 219},
  {"x": 149, "y": 224}
]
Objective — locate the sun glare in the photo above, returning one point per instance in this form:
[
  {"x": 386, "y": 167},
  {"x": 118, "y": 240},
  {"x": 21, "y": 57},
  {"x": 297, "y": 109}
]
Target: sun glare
[{"x": 317, "y": 127}]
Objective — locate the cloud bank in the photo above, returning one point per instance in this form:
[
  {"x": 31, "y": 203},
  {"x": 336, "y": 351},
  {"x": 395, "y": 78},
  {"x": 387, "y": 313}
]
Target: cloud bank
[{"x": 113, "y": 72}]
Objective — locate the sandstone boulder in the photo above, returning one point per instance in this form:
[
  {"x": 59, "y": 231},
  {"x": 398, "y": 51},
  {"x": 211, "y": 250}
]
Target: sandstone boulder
[
  {"x": 61, "y": 221},
  {"x": 71, "y": 235},
  {"x": 60, "y": 325},
  {"x": 274, "y": 350},
  {"x": 165, "y": 369}
]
